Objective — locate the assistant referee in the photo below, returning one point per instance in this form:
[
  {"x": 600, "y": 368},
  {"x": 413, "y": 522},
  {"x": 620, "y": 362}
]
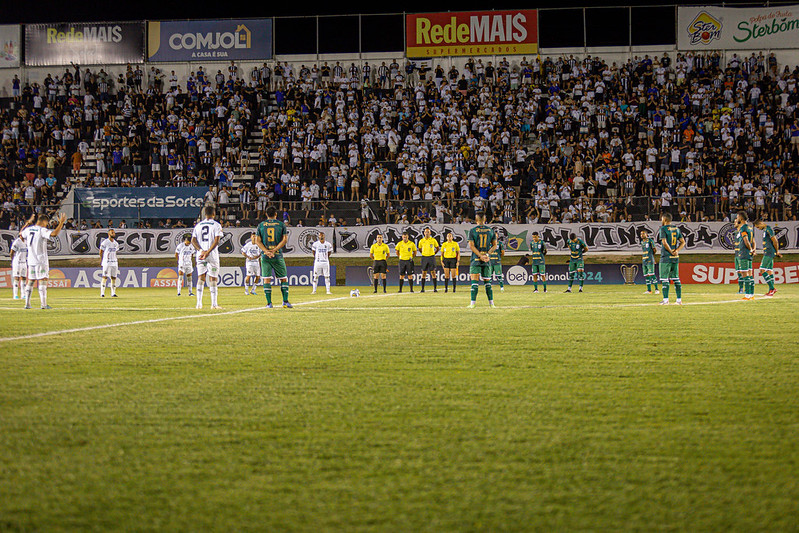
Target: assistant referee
[
  {"x": 450, "y": 260},
  {"x": 379, "y": 251},
  {"x": 406, "y": 251},
  {"x": 429, "y": 247}
]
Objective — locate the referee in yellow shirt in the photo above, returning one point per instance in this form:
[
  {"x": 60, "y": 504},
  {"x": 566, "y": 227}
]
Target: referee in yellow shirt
[
  {"x": 429, "y": 247},
  {"x": 379, "y": 252},
  {"x": 450, "y": 260},
  {"x": 406, "y": 251}
]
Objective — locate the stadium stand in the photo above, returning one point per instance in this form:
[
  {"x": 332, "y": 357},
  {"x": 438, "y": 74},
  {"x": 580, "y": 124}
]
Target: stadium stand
[{"x": 552, "y": 139}]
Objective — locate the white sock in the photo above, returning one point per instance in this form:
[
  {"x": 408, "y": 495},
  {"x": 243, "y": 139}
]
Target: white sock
[
  {"x": 180, "y": 284},
  {"x": 212, "y": 290},
  {"x": 327, "y": 284},
  {"x": 43, "y": 293},
  {"x": 188, "y": 283},
  {"x": 113, "y": 287},
  {"x": 315, "y": 283},
  {"x": 22, "y": 285},
  {"x": 200, "y": 284},
  {"x": 28, "y": 292},
  {"x": 15, "y": 289},
  {"x": 102, "y": 288}
]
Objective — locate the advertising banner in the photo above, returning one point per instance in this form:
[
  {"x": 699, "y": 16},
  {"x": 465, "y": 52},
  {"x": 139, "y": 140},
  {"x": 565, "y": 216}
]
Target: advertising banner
[
  {"x": 732, "y": 28},
  {"x": 214, "y": 40},
  {"x": 10, "y": 45},
  {"x": 131, "y": 203},
  {"x": 472, "y": 33},
  {"x": 619, "y": 237},
  {"x": 602, "y": 274},
  {"x": 91, "y": 43},
  {"x": 723, "y": 273},
  {"x": 138, "y": 277}
]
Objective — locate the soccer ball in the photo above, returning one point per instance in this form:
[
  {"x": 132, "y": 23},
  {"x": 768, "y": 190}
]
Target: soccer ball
[{"x": 354, "y": 293}]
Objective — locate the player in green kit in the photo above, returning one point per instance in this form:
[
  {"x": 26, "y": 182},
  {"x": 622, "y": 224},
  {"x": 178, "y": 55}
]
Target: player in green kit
[
  {"x": 672, "y": 242},
  {"x": 496, "y": 264},
  {"x": 482, "y": 242},
  {"x": 538, "y": 267},
  {"x": 271, "y": 237},
  {"x": 771, "y": 248},
  {"x": 577, "y": 248},
  {"x": 744, "y": 245},
  {"x": 648, "y": 265}
]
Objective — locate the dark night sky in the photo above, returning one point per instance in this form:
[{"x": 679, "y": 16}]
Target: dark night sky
[{"x": 15, "y": 11}]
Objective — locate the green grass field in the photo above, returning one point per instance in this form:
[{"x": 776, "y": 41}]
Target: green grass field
[{"x": 553, "y": 412}]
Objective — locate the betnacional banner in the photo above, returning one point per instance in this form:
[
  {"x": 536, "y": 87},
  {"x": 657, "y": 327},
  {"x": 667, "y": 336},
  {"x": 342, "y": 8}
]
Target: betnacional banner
[
  {"x": 471, "y": 33},
  {"x": 10, "y": 45},
  {"x": 95, "y": 43},
  {"x": 732, "y": 28},
  {"x": 214, "y": 40},
  {"x": 132, "y": 203},
  {"x": 355, "y": 241}
]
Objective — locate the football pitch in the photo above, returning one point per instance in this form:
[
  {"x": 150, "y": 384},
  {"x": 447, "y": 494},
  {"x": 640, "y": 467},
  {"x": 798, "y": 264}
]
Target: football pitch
[{"x": 400, "y": 412}]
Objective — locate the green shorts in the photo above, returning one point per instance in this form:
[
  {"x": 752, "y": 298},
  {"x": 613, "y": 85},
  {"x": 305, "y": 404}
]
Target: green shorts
[
  {"x": 742, "y": 265},
  {"x": 496, "y": 268},
  {"x": 669, "y": 271},
  {"x": 276, "y": 265},
  {"x": 481, "y": 268},
  {"x": 767, "y": 263},
  {"x": 648, "y": 268},
  {"x": 538, "y": 269},
  {"x": 576, "y": 264}
]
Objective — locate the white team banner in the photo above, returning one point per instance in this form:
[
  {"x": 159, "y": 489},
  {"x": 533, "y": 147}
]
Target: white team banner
[
  {"x": 733, "y": 28},
  {"x": 355, "y": 241}
]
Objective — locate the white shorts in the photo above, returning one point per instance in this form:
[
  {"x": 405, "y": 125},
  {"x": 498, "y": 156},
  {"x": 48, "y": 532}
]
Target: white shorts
[
  {"x": 19, "y": 270},
  {"x": 111, "y": 270},
  {"x": 252, "y": 268},
  {"x": 188, "y": 268},
  {"x": 36, "y": 272},
  {"x": 211, "y": 268},
  {"x": 321, "y": 269}
]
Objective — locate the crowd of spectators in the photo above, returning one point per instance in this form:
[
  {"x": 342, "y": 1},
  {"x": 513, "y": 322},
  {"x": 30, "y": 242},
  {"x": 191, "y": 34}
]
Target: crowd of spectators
[{"x": 543, "y": 140}]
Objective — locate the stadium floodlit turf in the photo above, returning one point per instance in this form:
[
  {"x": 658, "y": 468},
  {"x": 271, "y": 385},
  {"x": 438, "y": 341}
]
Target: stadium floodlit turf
[{"x": 595, "y": 411}]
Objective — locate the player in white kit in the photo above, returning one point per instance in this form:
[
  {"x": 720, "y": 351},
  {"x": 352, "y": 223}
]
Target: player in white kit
[
  {"x": 109, "y": 248},
  {"x": 183, "y": 253},
  {"x": 252, "y": 265},
  {"x": 19, "y": 266},
  {"x": 205, "y": 239},
  {"x": 321, "y": 263},
  {"x": 36, "y": 237}
]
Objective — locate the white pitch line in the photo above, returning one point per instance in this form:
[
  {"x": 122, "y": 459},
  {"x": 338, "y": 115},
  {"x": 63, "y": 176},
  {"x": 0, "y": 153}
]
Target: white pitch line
[{"x": 166, "y": 319}]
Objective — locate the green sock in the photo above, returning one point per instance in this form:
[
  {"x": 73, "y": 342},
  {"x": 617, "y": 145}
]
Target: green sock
[
  {"x": 665, "y": 291},
  {"x": 751, "y": 286},
  {"x": 770, "y": 280},
  {"x": 268, "y": 292},
  {"x": 501, "y": 280},
  {"x": 571, "y": 279},
  {"x": 648, "y": 284},
  {"x": 740, "y": 284},
  {"x": 489, "y": 292},
  {"x": 582, "y": 279},
  {"x": 284, "y": 288},
  {"x": 475, "y": 290},
  {"x": 678, "y": 289},
  {"x": 655, "y": 282},
  {"x": 545, "y": 283},
  {"x": 535, "y": 284}
]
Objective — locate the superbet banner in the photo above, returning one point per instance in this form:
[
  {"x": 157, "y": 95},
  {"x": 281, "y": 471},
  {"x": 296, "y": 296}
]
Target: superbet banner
[
  {"x": 724, "y": 273},
  {"x": 471, "y": 33}
]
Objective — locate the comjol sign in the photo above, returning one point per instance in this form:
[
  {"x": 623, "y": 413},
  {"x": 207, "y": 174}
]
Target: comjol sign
[
  {"x": 732, "y": 28},
  {"x": 472, "y": 33},
  {"x": 214, "y": 40}
]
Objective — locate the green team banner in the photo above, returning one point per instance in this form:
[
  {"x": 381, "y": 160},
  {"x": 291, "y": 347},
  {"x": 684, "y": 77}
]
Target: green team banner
[{"x": 733, "y": 28}]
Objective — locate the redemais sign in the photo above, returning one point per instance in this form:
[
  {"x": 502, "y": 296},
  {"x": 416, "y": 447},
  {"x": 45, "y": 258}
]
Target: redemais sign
[{"x": 472, "y": 33}]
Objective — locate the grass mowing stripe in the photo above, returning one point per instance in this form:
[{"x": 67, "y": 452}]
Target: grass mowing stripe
[{"x": 165, "y": 319}]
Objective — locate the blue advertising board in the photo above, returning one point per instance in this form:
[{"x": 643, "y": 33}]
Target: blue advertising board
[
  {"x": 600, "y": 274},
  {"x": 211, "y": 40},
  {"x": 140, "y": 202}
]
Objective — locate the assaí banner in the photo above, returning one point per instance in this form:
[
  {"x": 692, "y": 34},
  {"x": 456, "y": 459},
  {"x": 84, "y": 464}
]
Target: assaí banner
[
  {"x": 132, "y": 203},
  {"x": 214, "y": 40},
  {"x": 732, "y": 28},
  {"x": 472, "y": 33},
  {"x": 91, "y": 43}
]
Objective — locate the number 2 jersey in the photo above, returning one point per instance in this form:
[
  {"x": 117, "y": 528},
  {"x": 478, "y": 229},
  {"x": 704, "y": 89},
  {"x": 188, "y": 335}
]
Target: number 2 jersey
[{"x": 205, "y": 232}]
